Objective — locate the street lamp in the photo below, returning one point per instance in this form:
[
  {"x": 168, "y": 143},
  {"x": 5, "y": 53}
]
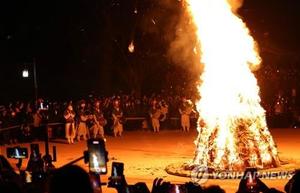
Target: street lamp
[
  {"x": 26, "y": 74},
  {"x": 47, "y": 157}
]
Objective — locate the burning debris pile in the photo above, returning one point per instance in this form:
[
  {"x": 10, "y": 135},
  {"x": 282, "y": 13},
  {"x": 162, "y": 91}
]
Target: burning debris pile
[{"x": 233, "y": 133}]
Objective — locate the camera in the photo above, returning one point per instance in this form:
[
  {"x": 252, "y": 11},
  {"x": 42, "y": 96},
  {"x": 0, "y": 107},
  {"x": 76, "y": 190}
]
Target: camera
[
  {"x": 17, "y": 152},
  {"x": 97, "y": 155}
]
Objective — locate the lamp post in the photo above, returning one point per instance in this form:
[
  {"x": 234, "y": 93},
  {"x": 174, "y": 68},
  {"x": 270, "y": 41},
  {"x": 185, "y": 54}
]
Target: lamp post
[
  {"x": 47, "y": 157},
  {"x": 26, "y": 74}
]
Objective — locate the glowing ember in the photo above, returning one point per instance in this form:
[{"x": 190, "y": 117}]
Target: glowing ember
[
  {"x": 131, "y": 47},
  {"x": 232, "y": 131}
]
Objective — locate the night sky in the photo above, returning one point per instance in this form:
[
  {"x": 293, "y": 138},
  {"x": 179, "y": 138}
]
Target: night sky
[{"x": 80, "y": 46}]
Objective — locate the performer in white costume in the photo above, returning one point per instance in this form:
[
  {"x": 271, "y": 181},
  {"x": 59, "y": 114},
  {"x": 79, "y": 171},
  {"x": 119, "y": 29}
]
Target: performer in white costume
[
  {"x": 155, "y": 113},
  {"x": 69, "y": 115},
  {"x": 185, "y": 111},
  {"x": 117, "y": 115}
]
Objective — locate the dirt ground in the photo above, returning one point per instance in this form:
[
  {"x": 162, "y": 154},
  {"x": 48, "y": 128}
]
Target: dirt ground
[{"x": 146, "y": 154}]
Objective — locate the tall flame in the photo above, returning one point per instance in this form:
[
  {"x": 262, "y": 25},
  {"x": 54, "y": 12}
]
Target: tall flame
[{"x": 233, "y": 133}]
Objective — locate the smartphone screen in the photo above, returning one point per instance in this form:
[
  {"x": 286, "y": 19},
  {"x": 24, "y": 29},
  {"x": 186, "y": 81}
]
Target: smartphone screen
[
  {"x": 251, "y": 183},
  {"x": 97, "y": 156},
  {"x": 117, "y": 172},
  {"x": 28, "y": 177},
  {"x": 43, "y": 106},
  {"x": 117, "y": 169},
  {"x": 177, "y": 188},
  {"x": 17, "y": 152}
]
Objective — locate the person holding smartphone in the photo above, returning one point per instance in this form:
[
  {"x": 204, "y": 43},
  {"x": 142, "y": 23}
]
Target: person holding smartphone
[
  {"x": 70, "y": 178},
  {"x": 250, "y": 183}
]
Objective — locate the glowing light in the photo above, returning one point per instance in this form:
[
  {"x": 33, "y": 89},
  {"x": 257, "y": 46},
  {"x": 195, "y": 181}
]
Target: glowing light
[
  {"x": 131, "y": 47},
  {"x": 153, "y": 21},
  {"x": 95, "y": 162},
  {"x": 195, "y": 50},
  {"x": 233, "y": 133},
  {"x": 25, "y": 73}
]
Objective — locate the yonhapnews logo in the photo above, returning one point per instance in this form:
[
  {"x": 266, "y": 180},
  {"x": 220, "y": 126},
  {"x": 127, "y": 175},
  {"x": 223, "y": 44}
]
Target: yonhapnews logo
[{"x": 201, "y": 174}]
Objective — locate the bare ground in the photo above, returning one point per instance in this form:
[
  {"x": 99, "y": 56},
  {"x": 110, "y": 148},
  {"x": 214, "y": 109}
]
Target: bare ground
[{"x": 146, "y": 154}]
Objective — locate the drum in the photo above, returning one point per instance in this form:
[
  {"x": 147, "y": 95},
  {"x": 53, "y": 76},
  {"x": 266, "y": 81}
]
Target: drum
[
  {"x": 122, "y": 120},
  {"x": 102, "y": 121}
]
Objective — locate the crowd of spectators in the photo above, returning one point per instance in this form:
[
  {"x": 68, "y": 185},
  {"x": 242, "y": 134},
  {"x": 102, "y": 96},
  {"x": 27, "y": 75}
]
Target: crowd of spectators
[
  {"x": 26, "y": 115},
  {"x": 19, "y": 117},
  {"x": 21, "y": 112},
  {"x": 73, "y": 178}
]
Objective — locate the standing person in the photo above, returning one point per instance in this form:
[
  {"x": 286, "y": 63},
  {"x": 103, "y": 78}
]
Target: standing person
[
  {"x": 164, "y": 108},
  {"x": 37, "y": 122},
  {"x": 4, "y": 120},
  {"x": 28, "y": 118},
  {"x": 155, "y": 113},
  {"x": 185, "y": 111},
  {"x": 69, "y": 116},
  {"x": 82, "y": 127},
  {"x": 117, "y": 115},
  {"x": 99, "y": 121}
]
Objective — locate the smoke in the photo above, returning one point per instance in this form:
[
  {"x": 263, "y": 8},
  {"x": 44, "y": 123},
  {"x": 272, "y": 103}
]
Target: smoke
[{"x": 184, "y": 50}]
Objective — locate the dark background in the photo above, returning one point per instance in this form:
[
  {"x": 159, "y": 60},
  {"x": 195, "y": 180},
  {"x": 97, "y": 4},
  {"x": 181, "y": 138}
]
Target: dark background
[{"x": 80, "y": 46}]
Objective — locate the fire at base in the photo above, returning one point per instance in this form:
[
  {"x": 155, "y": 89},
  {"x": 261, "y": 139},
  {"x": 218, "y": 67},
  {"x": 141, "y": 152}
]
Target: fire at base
[{"x": 233, "y": 133}]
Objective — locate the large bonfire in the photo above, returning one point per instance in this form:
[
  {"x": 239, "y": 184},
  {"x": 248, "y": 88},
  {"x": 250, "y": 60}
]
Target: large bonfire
[{"x": 233, "y": 133}]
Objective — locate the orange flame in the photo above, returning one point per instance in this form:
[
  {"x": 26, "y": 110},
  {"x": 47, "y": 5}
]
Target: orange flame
[
  {"x": 234, "y": 134},
  {"x": 131, "y": 47}
]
